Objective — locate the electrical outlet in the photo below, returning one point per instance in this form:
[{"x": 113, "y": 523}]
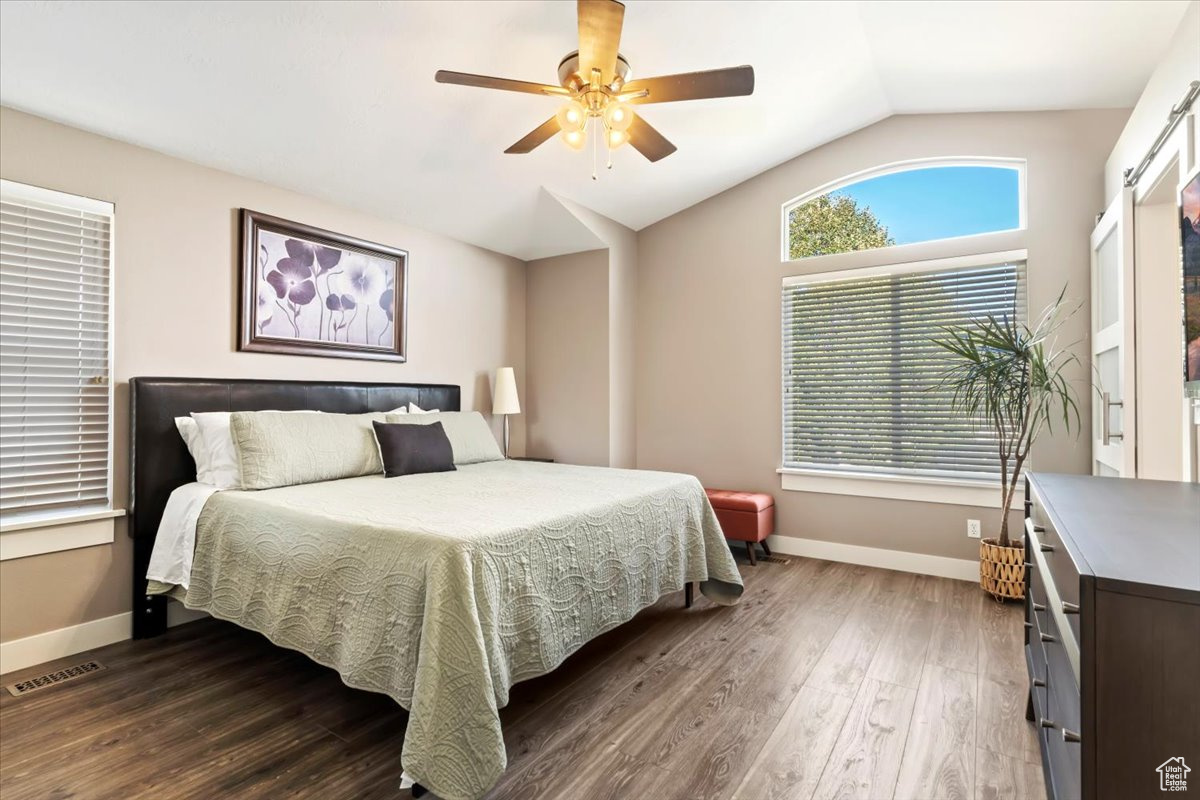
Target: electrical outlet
[{"x": 973, "y": 528}]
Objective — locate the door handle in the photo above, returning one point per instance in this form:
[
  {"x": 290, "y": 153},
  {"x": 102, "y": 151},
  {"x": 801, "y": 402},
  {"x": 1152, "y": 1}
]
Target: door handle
[{"x": 1106, "y": 434}]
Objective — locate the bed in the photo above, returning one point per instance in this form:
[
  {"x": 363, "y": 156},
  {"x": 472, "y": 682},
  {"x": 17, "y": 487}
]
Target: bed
[{"x": 439, "y": 590}]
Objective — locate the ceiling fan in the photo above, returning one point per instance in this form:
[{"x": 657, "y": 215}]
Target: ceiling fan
[{"x": 595, "y": 82}]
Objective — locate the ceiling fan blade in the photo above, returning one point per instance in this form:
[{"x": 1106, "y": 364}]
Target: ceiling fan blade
[
  {"x": 488, "y": 82},
  {"x": 599, "y": 37},
  {"x": 646, "y": 139},
  {"x": 535, "y": 137},
  {"x": 730, "y": 82}
]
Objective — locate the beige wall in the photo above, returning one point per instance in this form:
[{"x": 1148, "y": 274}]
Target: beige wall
[
  {"x": 622, "y": 332},
  {"x": 176, "y": 293},
  {"x": 708, "y": 347},
  {"x": 585, "y": 317},
  {"x": 566, "y": 403},
  {"x": 1179, "y": 66}
]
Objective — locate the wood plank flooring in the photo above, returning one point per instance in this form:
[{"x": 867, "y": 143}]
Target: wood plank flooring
[{"x": 828, "y": 681}]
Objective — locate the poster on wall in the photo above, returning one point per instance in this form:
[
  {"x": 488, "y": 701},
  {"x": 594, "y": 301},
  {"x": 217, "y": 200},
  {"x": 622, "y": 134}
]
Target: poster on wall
[
  {"x": 308, "y": 291},
  {"x": 1189, "y": 207}
]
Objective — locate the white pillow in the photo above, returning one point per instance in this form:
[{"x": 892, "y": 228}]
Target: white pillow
[
  {"x": 223, "y": 469},
  {"x": 190, "y": 432},
  {"x": 413, "y": 408}
]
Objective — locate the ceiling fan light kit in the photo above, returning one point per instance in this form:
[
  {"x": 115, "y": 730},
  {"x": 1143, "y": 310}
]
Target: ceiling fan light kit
[{"x": 595, "y": 82}]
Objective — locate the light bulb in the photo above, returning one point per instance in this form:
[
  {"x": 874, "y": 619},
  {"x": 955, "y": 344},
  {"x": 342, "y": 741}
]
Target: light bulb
[
  {"x": 618, "y": 116},
  {"x": 574, "y": 139},
  {"x": 572, "y": 116},
  {"x": 616, "y": 139}
]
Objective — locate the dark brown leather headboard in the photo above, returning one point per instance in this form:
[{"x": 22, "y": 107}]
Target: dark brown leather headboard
[{"x": 159, "y": 461}]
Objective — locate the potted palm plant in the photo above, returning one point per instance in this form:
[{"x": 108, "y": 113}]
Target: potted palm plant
[{"x": 1010, "y": 378}]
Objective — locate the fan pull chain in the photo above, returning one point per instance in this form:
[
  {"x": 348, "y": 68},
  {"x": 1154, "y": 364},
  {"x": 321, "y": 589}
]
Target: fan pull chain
[{"x": 594, "y": 152}]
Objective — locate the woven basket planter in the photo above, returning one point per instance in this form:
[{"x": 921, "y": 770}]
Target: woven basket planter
[{"x": 1002, "y": 570}]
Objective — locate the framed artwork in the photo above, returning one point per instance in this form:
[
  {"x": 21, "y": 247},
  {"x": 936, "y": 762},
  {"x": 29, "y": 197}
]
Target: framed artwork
[
  {"x": 312, "y": 292},
  {"x": 1189, "y": 219}
]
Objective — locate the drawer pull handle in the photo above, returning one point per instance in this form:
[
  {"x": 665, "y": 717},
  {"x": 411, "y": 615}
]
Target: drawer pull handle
[
  {"x": 1070, "y": 608},
  {"x": 1039, "y": 683},
  {"x": 1070, "y": 736},
  {"x": 1028, "y": 626},
  {"x": 1048, "y": 638},
  {"x": 1037, "y": 606},
  {"x": 1028, "y": 565},
  {"x": 1045, "y": 548},
  {"x": 1037, "y": 528},
  {"x": 1047, "y": 723}
]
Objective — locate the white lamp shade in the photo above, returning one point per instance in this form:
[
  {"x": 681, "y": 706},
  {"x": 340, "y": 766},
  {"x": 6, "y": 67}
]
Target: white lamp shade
[{"x": 504, "y": 393}]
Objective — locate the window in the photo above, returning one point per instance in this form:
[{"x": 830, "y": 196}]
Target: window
[
  {"x": 906, "y": 204},
  {"x": 55, "y": 393},
  {"x": 860, "y": 373}
]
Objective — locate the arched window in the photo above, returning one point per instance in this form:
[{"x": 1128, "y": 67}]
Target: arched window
[
  {"x": 864, "y": 412},
  {"x": 916, "y": 201}
]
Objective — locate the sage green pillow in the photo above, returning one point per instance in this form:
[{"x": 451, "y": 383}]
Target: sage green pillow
[
  {"x": 279, "y": 449},
  {"x": 470, "y": 437}
]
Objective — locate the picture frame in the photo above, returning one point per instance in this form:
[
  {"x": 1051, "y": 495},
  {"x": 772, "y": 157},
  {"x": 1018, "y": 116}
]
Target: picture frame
[
  {"x": 1189, "y": 250},
  {"x": 308, "y": 291}
]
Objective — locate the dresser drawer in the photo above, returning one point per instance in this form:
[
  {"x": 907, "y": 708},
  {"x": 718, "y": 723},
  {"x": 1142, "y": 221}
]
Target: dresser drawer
[
  {"x": 1060, "y": 678},
  {"x": 1062, "y": 756},
  {"x": 1059, "y": 583}
]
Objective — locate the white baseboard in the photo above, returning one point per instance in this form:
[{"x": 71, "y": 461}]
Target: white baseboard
[
  {"x": 43, "y": 647},
  {"x": 940, "y": 566},
  {"x": 48, "y": 646}
]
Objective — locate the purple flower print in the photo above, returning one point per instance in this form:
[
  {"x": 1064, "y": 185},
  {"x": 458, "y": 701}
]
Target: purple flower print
[
  {"x": 363, "y": 278},
  {"x": 293, "y": 280},
  {"x": 385, "y": 302},
  {"x": 340, "y": 304},
  {"x": 266, "y": 308},
  {"x": 364, "y": 281},
  {"x": 326, "y": 257}
]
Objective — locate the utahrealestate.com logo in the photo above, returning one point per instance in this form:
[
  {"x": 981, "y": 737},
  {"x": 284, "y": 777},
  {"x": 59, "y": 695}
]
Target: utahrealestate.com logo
[{"x": 1172, "y": 775}]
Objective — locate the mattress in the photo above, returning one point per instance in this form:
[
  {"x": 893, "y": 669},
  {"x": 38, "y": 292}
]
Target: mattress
[{"x": 443, "y": 590}]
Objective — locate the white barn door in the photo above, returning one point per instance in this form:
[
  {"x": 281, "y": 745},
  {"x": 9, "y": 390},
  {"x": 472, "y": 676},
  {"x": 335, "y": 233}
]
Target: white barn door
[{"x": 1113, "y": 374}]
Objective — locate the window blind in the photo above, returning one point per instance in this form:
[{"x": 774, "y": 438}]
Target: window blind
[
  {"x": 55, "y": 393},
  {"x": 860, "y": 374}
]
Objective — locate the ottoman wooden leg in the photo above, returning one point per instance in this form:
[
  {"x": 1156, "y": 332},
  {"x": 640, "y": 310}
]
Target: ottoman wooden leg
[
  {"x": 766, "y": 549},
  {"x": 750, "y": 552},
  {"x": 687, "y": 595}
]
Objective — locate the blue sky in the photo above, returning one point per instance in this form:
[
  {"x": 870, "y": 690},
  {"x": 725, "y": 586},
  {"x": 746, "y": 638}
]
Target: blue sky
[{"x": 940, "y": 202}]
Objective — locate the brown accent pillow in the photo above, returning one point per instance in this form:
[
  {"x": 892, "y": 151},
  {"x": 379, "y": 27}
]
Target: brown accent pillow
[{"x": 413, "y": 449}]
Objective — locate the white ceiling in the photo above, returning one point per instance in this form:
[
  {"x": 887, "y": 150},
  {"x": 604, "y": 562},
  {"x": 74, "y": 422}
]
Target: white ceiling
[{"x": 337, "y": 100}]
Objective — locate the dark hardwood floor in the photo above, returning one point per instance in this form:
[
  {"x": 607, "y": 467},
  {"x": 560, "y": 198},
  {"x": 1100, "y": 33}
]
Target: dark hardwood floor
[{"x": 827, "y": 681}]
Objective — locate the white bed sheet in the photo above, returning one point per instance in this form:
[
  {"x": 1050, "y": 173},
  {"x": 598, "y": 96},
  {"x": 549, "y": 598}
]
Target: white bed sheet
[{"x": 171, "y": 558}]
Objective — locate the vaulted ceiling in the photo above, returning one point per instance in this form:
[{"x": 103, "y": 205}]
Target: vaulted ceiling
[{"x": 337, "y": 100}]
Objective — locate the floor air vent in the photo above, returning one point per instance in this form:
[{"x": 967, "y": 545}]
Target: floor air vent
[
  {"x": 72, "y": 673},
  {"x": 775, "y": 560}
]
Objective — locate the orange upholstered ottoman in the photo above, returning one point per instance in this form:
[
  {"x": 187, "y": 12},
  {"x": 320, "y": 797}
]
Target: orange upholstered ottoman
[{"x": 745, "y": 517}]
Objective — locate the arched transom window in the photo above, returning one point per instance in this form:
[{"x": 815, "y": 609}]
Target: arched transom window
[{"x": 906, "y": 203}]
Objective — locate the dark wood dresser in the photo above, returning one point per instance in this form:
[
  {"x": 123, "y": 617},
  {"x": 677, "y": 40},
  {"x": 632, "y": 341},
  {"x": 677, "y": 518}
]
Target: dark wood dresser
[{"x": 1112, "y": 632}]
